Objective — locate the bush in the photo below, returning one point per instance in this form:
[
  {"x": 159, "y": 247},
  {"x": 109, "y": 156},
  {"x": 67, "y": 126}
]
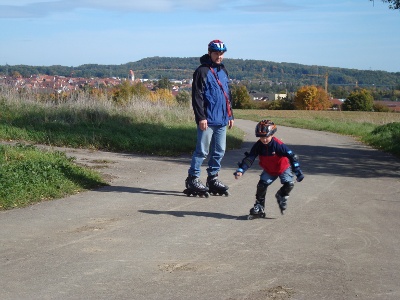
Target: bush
[
  {"x": 380, "y": 108},
  {"x": 386, "y": 137},
  {"x": 183, "y": 98},
  {"x": 359, "y": 100}
]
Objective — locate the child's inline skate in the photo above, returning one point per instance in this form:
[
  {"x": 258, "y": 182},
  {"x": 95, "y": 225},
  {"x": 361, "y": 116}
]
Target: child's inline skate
[
  {"x": 195, "y": 187},
  {"x": 257, "y": 211},
  {"x": 216, "y": 187},
  {"x": 281, "y": 202},
  {"x": 282, "y": 195}
]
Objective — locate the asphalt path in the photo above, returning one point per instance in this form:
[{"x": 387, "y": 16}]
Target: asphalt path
[{"x": 142, "y": 238}]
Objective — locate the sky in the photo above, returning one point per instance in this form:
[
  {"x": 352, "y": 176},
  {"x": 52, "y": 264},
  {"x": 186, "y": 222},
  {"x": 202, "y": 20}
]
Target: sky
[{"x": 355, "y": 34}]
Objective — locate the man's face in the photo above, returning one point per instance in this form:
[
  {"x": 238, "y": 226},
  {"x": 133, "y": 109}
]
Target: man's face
[{"x": 217, "y": 57}]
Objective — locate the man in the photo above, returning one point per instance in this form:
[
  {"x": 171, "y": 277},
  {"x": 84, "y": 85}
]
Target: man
[{"x": 211, "y": 101}]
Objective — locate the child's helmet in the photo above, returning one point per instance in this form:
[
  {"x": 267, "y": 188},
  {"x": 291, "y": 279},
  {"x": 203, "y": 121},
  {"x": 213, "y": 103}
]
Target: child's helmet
[
  {"x": 217, "y": 46},
  {"x": 265, "y": 128}
]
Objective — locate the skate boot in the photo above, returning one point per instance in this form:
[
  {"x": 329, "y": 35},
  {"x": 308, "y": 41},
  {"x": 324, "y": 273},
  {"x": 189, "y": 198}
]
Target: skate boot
[
  {"x": 216, "y": 187},
  {"x": 257, "y": 211},
  {"x": 281, "y": 202},
  {"x": 195, "y": 187}
]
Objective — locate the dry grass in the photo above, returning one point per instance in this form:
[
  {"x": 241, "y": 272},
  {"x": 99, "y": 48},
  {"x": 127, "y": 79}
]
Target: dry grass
[{"x": 377, "y": 118}]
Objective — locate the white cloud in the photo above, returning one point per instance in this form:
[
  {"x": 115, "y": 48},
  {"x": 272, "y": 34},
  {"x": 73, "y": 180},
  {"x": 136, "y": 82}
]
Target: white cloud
[{"x": 43, "y": 8}]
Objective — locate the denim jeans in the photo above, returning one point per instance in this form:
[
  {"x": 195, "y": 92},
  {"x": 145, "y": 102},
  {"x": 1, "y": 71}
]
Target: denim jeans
[
  {"x": 213, "y": 141},
  {"x": 286, "y": 176}
]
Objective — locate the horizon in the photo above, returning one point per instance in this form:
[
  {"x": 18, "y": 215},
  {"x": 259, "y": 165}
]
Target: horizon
[
  {"x": 317, "y": 66},
  {"x": 338, "y": 34}
]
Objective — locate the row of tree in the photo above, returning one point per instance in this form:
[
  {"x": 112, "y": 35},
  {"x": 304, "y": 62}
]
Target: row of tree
[{"x": 308, "y": 98}]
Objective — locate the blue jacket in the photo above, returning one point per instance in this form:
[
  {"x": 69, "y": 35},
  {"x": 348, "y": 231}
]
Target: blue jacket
[{"x": 208, "y": 100}]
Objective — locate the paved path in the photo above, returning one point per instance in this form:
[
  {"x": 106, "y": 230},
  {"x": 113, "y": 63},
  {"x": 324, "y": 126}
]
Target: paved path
[{"x": 141, "y": 238}]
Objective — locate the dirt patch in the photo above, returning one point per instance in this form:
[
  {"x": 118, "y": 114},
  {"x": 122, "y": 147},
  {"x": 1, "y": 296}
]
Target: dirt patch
[
  {"x": 176, "y": 267},
  {"x": 273, "y": 293}
]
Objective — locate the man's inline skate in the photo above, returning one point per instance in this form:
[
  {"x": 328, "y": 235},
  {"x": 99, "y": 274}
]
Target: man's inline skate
[
  {"x": 195, "y": 187},
  {"x": 257, "y": 211},
  {"x": 216, "y": 187}
]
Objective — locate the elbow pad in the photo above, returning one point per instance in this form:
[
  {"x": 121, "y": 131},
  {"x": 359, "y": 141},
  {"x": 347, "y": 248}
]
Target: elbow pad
[
  {"x": 247, "y": 162},
  {"x": 294, "y": 160}
]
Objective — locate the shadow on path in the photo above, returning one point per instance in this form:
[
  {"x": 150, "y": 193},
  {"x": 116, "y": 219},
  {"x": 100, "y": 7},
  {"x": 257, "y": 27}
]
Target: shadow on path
[
  {"x": 183, "y": 213},
  {"x": 363, "y": 162},
  {"x": 136, "y": 190}
]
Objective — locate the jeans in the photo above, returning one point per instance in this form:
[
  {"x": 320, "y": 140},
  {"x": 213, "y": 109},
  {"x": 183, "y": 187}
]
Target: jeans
[
  {"x": 286, "y": 176},
  {"x": 212, "y": 140}
]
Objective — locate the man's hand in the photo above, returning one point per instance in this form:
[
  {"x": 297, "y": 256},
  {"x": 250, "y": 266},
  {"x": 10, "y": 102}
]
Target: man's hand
[
  {"x": 230, "y": 123},
  {"x": 203, "y": 125}
]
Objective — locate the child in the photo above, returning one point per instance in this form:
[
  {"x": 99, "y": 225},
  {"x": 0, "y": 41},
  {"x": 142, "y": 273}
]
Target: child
[{"x": 276, "y": 160}]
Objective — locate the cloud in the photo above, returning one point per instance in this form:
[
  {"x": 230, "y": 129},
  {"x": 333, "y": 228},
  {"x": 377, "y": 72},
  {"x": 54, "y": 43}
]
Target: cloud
[
  {"x": 40, "y": 9},
  {"x": 34, "y": 9},
  {"x": 260, "y": 6}
]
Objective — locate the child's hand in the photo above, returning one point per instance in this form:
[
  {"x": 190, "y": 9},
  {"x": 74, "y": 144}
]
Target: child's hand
[
  {"x": 300, "y": 178},
  {"x": 237, "y": 174}
]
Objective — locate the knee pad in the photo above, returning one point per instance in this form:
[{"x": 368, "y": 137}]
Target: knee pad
[
  {"x": 261, "y": 190},
  {"x": 286, "y": 188}
]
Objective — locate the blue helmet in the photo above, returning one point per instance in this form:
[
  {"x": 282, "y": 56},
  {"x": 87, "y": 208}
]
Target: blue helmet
[{"x": 217, "y": 46}]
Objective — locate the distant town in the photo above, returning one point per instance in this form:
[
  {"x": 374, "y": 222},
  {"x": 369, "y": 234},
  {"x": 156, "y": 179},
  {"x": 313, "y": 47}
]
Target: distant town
[{"x": 60, "y": 84}]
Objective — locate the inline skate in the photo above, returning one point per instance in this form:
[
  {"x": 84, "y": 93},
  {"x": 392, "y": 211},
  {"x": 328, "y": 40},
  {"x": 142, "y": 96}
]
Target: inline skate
[
  {"x": 216, "y": 187},
  {"x": 281, "y": 202},
  {"x": 257, "y": 211},
  {"x": 195, "y": 187}
]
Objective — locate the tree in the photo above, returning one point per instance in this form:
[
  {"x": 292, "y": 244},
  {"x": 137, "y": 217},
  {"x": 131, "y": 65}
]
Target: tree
[
  {"x": 240, "y": 97},
  {"x": 164, "y": 83},
  {"x": 163, "y": 96},
  {"x": 359, "y": 100},
  {"x": 311, "y": 97},
  {"x": 126, "y": 92},
  {"x": 393, "y": 4}
]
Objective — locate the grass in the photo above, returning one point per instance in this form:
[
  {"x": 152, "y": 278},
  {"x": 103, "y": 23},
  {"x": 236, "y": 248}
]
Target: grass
[
  {"x": 29, "y": 175},
  {"x": 142, "y": 127}
]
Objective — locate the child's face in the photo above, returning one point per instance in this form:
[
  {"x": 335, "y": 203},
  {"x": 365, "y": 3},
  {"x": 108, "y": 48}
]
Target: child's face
[{"x": 265, "y": 140}]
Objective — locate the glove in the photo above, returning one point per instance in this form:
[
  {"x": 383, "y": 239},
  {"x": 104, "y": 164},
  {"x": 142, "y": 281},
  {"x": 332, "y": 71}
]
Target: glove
[
  {"x": 239, "y": 170},
  {"x": 299, "y": 174}
]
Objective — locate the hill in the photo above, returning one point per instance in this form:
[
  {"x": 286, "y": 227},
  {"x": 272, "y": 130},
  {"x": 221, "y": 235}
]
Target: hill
[{"x": 239, "y": 69}]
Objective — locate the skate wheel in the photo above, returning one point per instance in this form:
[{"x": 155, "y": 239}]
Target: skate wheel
[
  {"x": 263, "y": 215},
  {"x": 250, "y": 217},
  {"x": 226, "y": 193},
  {"x": 187, "y": 193},
  {"x": 206, "y": 195}
]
